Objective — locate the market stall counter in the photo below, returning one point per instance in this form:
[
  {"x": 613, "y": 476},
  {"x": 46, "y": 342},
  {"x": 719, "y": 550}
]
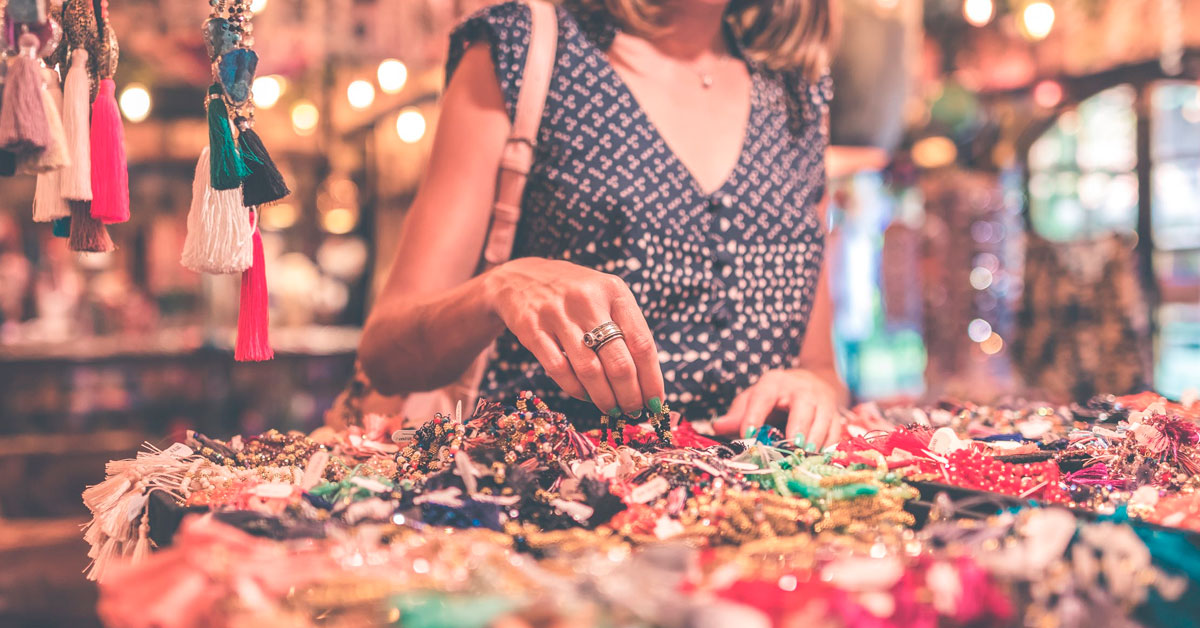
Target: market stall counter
[{"x": 955, "y": 514}]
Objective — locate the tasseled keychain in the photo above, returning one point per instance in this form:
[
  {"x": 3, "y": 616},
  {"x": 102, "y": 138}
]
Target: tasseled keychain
[
  {"x": 23, "y": 126},
  {"x": 110, "y": 171},
  {"x": 234, "y": 176}
]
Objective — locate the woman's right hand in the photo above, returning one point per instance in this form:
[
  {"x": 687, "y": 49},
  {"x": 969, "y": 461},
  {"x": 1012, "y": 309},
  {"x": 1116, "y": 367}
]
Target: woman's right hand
[{"x": 549, "y": 305}]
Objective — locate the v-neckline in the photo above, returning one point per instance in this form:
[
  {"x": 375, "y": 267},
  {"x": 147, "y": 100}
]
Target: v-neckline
[{"x": 674, "y": 156}]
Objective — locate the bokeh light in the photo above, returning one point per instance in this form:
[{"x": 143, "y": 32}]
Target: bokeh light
[
  {"x": 360, "y": 94},
  {"x": 978, "y": 12},
  {"x": 267, "y": 90},
  {"x": 410, "y": 125},
  {"x": 1036, "y": 20},
  {"x": 305, "y": 117},
  {"x": 135, "y": 103},
  {"x": 979, "y": 330},
  {"x": 392, "y": 75}
]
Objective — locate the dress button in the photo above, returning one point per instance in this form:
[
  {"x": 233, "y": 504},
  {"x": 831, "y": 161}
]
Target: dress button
[{"x": 719, "y": 202}]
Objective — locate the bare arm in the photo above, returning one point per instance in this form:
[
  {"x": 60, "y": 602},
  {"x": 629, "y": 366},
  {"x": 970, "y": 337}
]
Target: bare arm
[{"x": 432, "y": 317}]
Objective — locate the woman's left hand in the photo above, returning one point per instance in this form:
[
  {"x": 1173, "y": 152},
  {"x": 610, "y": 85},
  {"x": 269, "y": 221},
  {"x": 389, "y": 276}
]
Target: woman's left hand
[{"x": 810, "y": 402}]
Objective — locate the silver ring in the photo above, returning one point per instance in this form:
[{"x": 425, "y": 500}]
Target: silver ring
[{"x": 603, "y": 334}]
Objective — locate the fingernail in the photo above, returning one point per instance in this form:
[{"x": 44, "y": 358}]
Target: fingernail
[
  {"x": 798, "y": 440},
  {"x": 615, "y": 413},
  {"x": 655, "y": 405},
  {"x": 637, "y": 414},
  {"x": 811, "y": 448},
  {"x": 750, "y": 431}
]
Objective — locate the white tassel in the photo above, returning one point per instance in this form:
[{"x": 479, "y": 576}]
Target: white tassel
[
  {"x": 219, "y": 232},
  {"x": 77, "y": 177},
  {"x": 48, "y": 203},
  {"x": 105, "y": 495},
  {"x": 141, "y": 549}
]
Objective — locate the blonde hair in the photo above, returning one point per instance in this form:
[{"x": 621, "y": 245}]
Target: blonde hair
[{"x": 780, "y": 34}]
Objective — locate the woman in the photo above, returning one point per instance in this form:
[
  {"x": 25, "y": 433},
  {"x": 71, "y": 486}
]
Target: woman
[{"x": 676, "y": 192}]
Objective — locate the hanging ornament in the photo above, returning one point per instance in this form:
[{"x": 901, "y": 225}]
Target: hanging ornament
[{"x": 235, "y": 175}]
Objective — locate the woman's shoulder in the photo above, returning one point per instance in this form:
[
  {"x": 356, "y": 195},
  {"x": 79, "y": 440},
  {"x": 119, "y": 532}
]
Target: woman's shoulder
[
  {"x": 507, "y": 21},
  {"x": 504, "y": 28}
]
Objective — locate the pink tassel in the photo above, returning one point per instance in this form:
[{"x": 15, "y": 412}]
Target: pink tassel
[
  {"x": 253, "y": 344},
  {"x": 110, "y": 173},
  {"x": 23, "y": 125}
]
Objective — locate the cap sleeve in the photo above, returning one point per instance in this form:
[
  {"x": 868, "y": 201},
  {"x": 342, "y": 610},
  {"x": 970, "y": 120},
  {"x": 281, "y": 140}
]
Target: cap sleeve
[{"x": 505, "y": 28}]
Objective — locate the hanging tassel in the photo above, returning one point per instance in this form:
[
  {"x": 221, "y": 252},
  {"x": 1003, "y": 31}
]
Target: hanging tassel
[
  {"x": 219, "y": 238},
  {"x": 54, "y": 157},
  {"x": 62, "y": 228},
  {"x": 48, "y": 203},
  {"x": 76, "y": 179},
  {"x": 88, "y": 234},
  {"x": 228, "y": 169},
  {"x": 23, "y": 128},
  {"x": 110, "y": 173},
  {"x": 264, "y": 185},
  {"x": 141, "y": 549},
  {"x": 253, "y": 345}
]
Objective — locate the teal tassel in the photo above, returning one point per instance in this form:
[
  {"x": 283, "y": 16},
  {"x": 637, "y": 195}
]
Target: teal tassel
[
  {"x": 62, "y": 227},
  {"x": 227, "y": 168}
]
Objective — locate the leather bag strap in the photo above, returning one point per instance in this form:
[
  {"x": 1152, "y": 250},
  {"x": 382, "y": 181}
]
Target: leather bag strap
[{"x": 522, "y": 141}]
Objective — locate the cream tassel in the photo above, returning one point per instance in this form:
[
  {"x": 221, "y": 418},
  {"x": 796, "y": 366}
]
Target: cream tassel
[
  {"x": 77, "y": 177},
  {"x": 48, "y": 203},
  {"x": 219, "y": 232}
]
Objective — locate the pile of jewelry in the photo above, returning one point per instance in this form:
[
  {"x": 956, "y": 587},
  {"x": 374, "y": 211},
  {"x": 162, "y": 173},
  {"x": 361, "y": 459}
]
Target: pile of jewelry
[{"x": 512, "y": 516}]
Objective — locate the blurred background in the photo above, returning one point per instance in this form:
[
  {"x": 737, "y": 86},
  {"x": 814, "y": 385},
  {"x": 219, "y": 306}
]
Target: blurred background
[{"x": 1016, "y": 194}]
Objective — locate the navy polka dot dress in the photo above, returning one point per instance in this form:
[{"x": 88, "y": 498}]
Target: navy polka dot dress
[{"x": 726, "y": 280}]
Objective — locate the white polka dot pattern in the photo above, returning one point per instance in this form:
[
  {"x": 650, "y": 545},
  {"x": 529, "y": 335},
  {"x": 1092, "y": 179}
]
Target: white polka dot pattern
[{"x": 726, "y": 280}]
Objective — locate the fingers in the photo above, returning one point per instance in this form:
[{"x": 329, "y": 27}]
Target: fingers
[
  {"x": 800, "y": 419},
  {"x": 550, "y": 355},
  {"x": 758, "y": 407},
  {"x": 639, "y": 343},
  {"x": 588, "y": 368},
  {"x": 732, "y": 421},
  {"x": 822, "y": 422},
  {"x": 622, "y": 375}
]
